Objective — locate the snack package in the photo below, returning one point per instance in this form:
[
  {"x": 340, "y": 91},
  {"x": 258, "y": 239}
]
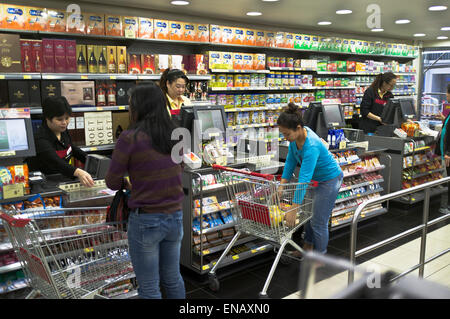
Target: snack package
[{"x": 146, "y": 28}]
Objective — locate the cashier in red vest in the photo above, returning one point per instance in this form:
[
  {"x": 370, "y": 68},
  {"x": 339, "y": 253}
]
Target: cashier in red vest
[
  {"x": 375, "y": 98},
  {"x": 54, "y": 148},
  {"x": 173, "y": 83}
]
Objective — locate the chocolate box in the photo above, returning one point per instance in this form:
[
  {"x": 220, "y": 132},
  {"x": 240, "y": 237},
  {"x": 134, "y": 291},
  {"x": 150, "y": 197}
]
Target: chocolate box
[
  {"x": 79, "y": 92},
  {"x": 147, "y": 64}
]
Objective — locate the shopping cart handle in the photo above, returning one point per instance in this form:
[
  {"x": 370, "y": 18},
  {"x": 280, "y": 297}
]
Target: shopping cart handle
[
  {"x": 229, "y": 169},
  {"x": 15, "y": 222}
]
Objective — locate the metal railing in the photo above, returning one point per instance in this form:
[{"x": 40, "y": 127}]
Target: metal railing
[{"x": 423, "y": 227}]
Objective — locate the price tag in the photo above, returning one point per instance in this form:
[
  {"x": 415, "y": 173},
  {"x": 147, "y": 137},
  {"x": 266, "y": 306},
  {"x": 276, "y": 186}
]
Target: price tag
[
  {"x": 84, "y": 77},
  {"x": 413, "y": 199},
  {"x": 89, "y": 250},
  {"x": 363, "y": 215},
  {"x": 94, "y": 149},
  {"x": 122, "y": 108},
  {"x": 27, "y": 77},
  {"x": 13, "y": 190},
  {"x": 112, "y": 77},
  {"x": 99, "y": 109},
  {"x": 79, "y": 232},
  {"x": 235, "y": 257},
  {"x": 358, "y": 195},
  {"x": 254, "y": 251},
  {"x": 205, "y": 267},
  {"x": 206, "y": 252},
  {"x": 2, "y": 77}
]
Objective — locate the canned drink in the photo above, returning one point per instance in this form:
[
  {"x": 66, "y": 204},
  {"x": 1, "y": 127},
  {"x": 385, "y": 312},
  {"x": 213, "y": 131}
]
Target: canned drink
[
  {"x": 246, "y": 79},
  {"x": 246, "y": 100},
  {"x": 262, "y": 100},
  {"x": 285, "y": 79},
  {"x": 238, "y": 100},
  {"x": 222, "y": 80},
  {"x": 276, "y": 62},
  {"x": 230, "y": 80},
  {"x": 271, "y": 62},
  {"x": 282, "y": 62},
  {"x": 254, "y": 80},
  {"x": 283, "y": 99},
  {"x": 298, "y": 79},
  {"x": 212, "y": 99},
  {"x": 221, "y": 99},
  {"x": 278, "y": 79},
  {"x": 277, "y": 99},
  {"x": 290, "y": 62},
  {"x": 291, "y": 79},
  {"x": 212, "y": 82},
  {"x": 261, "y": 80},
  {"x": 238, "y": 80}
]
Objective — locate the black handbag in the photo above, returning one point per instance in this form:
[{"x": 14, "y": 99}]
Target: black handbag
[{"x": 118, "y": 212}]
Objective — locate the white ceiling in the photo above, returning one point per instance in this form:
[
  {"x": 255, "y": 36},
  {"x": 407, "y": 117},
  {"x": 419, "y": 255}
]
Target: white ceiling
[{"x": 304, "y": 14}]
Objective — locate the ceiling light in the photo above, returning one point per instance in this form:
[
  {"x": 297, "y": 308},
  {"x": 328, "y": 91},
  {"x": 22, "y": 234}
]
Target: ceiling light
[
  {"x": 445, "y": 29},
  {"x": 269, "y": 0},
  {"x": 377, "y": 30},
  {"x": 442, "y": 37},
  {"x": 324, "y": 23},
  {"x": 437, "y": 8},
  {"x": 419, "y": 34},
  {"x": 179, "y": 3},
  {"x": 254, "y": 13},
  {"x": 344, "y": 11},
  {"x": 402, "y": 21}
]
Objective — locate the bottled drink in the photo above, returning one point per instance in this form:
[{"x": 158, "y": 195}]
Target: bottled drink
[
  {"x": 112, "y": 63},
  {"x": 122, "y": 64},
  {"x": 112, "y": 95},
  {"x": 101, "y": 96},
  {"x": 81, "y": 63},
  {"x": 102, "y": 68},
  {"x": 26, "y": 64},
  {"x": 92, "y": 63},
  {"x": 37, "y": 64}
]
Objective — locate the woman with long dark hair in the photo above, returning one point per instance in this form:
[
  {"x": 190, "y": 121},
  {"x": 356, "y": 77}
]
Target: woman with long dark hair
[
  {"x": 316, "y": 163},
  {"x": 374, "y": 99},
  {"x": 173, "y": 83},
  {"x": 155, "y": 225}
]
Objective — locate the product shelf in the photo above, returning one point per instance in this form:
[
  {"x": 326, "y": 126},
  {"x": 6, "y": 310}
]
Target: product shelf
[
  {"x": 281, "y": 88},
  {"x": 20, "y": 76},
  {"x": 377, "y": 181},
  {"x": 239, "y": 257},
  {"x": 365, "y": 171},
  {"x": 422, "y": 163},
  {"x": 16, "y": 285},
  {"x": 75, "y": 109},
  {"x": 10, "y": 267},
  {"x": 214, "y": 229},
  {"x": 419, "y": 149},
  {"x": 364, "y": 216},
  {"x": 249, "y": 109},
  {"x": 107, "y": 147},
  {"x": 378, "y": 190},
  {"x": 215, "y": 249},
  {"x": 238, "y": 71},
  {"x": 420, "y": 196},
  {"x": 425, "y": 174}
]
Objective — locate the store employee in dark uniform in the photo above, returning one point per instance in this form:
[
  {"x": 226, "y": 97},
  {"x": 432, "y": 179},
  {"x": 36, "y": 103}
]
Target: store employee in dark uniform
[
  {"x": 374, "y": 99},
  {"x": 54, "y": 147}
]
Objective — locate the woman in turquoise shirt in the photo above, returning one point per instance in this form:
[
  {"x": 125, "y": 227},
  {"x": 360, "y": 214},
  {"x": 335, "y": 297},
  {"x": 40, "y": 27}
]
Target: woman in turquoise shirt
[{"x": 316, "y": 163}]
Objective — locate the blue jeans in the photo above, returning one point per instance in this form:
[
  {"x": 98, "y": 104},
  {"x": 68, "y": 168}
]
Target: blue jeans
[
  {"x": 154, "y": 243},
  {"x": 324, "y": 197}
]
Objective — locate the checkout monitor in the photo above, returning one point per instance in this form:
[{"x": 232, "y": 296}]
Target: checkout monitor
[
  {"x": 16, "y": 138},
  {"x": 333, "y": 115},
  {"x": 311, "y": 114},
  {"x": 408, "y": 110},
  {"x": 212, "y": 119},
  {"x": 390, "y": 110}
]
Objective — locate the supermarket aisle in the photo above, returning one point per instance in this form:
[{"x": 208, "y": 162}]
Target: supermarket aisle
[{"x": 399, "y": 256}]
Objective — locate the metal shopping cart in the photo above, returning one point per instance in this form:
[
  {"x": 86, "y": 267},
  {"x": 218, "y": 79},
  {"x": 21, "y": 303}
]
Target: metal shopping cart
[
  {"x": 259, "y": 207},
  {"x": 68, "y": 253}
]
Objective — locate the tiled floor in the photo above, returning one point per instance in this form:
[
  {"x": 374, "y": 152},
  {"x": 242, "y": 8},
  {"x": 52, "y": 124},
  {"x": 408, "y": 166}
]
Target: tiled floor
[{"x": 397, "y": 256}]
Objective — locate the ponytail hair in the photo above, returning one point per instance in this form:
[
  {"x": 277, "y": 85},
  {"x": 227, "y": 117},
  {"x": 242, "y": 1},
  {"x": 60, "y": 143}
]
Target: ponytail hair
[
  {"x": 382, "y": 78},
  {"x": 291, "y": 117}
]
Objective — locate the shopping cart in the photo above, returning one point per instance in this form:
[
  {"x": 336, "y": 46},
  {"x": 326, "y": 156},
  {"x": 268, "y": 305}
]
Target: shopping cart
[
  {"x": 68, "y": 253},
  {"x": 259, "y": 206}
]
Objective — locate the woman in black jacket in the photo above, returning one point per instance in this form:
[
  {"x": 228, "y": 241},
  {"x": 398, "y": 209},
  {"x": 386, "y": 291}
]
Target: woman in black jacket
[
  {"x": 374, "y": 99},
  {"x": 54, "y": 147}
]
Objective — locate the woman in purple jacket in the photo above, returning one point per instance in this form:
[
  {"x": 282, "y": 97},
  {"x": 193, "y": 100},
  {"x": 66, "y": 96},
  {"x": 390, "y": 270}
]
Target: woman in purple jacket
[{"x": 155, "y": 225}]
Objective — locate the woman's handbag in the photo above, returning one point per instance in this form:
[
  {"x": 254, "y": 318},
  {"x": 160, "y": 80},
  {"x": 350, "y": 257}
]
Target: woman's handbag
[{"x": 118, "y": 211}]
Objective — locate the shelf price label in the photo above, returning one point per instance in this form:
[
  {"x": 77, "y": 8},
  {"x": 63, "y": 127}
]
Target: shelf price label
[
  {"x": 235, "y": 257},
  {"x": 2, "y": 77},
  {"x": 84, "y": 77},
  {"x": 206, "y": 252},
  {"x": 27, "y": 77}
]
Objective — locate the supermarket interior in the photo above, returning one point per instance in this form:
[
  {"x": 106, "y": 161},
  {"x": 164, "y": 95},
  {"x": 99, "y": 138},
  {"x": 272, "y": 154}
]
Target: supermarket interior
[{"x": 244, "y": 62}]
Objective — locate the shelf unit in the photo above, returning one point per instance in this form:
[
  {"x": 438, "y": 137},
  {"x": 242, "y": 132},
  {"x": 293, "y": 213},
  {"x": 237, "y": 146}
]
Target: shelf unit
[
  {"x": 200, "y": 257},
  {"x": 396, "y": 148},
  {"x": 337, "y": 215}
]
